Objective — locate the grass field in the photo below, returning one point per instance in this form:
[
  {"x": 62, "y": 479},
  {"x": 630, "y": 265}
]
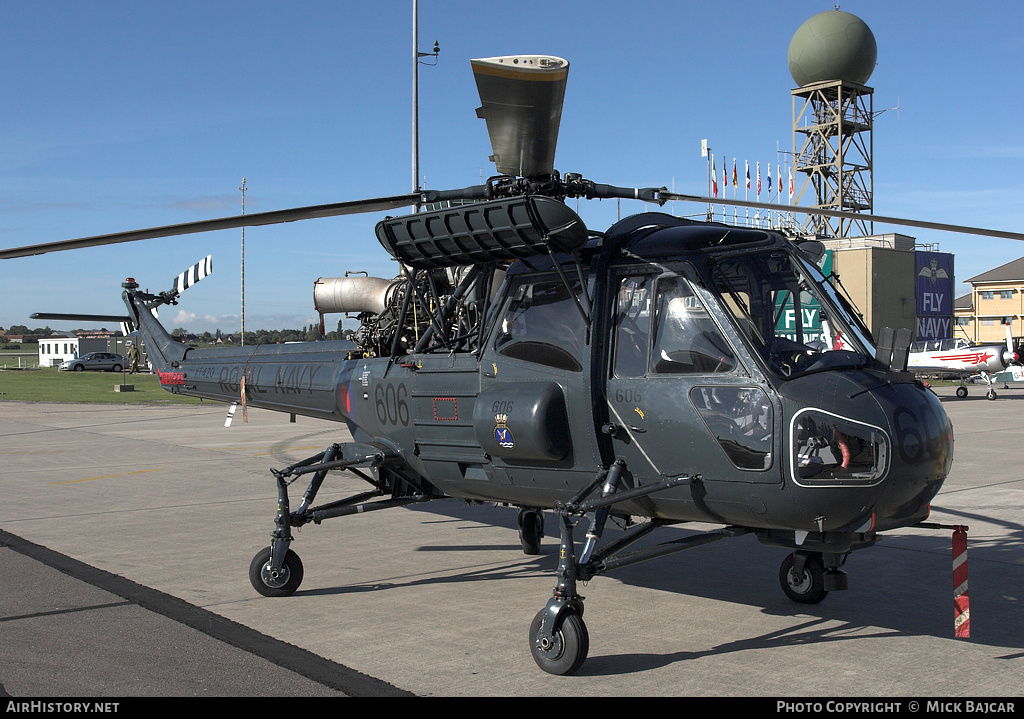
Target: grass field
[
  {"x": 18, "y": 358},
  {"x": 51, "y": 385}
]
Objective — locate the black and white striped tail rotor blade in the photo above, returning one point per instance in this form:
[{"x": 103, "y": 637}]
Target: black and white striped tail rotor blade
[{"x": 193, "y": 274}]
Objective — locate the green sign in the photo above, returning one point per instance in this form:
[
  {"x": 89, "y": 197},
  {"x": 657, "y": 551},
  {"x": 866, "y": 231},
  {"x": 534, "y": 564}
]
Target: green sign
[{"x": 804, "y": 315}]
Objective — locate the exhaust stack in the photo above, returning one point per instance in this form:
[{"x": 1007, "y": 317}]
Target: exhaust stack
[{"x": 352, "y": 294}]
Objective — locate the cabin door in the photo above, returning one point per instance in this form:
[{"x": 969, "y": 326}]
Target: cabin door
[
  {"x": 534, "y": 415},
  {"x": 679, "y": 398}
]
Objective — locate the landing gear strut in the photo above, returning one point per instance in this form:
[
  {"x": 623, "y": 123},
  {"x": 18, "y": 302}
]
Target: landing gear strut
[
  {"x": 559, "y": 641},
  {"x": 989, "y": 380},
  {"x": 276, "y": 571}
]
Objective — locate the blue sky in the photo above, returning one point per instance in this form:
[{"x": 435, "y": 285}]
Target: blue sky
[{"x": 122, "y": 115}]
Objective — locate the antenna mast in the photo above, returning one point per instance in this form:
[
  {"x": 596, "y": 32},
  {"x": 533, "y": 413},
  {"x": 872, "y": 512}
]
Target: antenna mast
[
  {"x": 416, "y": 55},
  {"x": 242, "y": 188}
]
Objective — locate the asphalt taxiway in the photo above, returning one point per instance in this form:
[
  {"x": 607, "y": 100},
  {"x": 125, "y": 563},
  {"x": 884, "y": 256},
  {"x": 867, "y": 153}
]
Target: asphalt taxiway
[{"x": 126, "y": 535}]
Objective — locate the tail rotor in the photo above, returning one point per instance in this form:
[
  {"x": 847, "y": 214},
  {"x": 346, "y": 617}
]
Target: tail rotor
[{"x": 192, "y": 275}]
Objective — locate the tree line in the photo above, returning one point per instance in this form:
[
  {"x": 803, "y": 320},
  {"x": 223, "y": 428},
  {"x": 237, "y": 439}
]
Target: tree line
[{"x": 309, "y": 333}]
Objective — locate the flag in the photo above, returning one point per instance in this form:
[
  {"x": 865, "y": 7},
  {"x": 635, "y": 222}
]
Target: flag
[
  {"x": 769, "y": 179},
  {"x": 714, "y": 176},
  {"x": 725, "y": 178},
  {"x": 746, "y": 165},
  {"x": 735, "y": 181},
  {"x": 791, "y": 186},
  {"x": 759, "y": 179},
  {"x": 779, "y": 170}
]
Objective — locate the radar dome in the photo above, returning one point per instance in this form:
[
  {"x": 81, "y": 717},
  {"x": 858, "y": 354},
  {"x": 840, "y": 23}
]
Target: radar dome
[{"x": 833, "y": 45}]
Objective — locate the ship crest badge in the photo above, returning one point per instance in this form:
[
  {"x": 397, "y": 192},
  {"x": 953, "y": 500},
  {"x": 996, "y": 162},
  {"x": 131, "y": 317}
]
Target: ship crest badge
[{"x": 502, "y": 434}]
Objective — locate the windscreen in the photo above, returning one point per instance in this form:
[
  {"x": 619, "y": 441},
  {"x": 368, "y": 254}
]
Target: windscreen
[{"x": 791, "y": 317}]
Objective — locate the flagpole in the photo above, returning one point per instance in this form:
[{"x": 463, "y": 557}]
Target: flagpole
[
  {"x": 725, "y": 185},
  {"x": 707, "y": 153},
  {"x": 757, "y": 215},
  {"x": 792, "y": 215},
  {"x": 735, "y": 210},
  {"x": 746, "y": 193},
  {"x": 778, "y": 196}
]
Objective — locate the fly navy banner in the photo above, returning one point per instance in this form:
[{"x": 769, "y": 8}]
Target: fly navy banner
[{"x": 933, "y": 294}]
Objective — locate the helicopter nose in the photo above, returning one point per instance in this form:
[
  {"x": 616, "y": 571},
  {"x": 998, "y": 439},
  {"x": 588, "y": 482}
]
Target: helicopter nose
[{"x": 922, "y": 456}]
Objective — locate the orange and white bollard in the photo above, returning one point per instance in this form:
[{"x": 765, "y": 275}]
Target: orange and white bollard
[{"x": 961, "y": 598}]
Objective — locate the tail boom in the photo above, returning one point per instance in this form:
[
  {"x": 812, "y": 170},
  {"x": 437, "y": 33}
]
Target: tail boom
[{"x": 299, "y": 378}]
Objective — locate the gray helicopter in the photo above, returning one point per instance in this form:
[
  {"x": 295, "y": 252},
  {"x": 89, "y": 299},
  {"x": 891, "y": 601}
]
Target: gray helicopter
[{"x": 637, "y": 375}]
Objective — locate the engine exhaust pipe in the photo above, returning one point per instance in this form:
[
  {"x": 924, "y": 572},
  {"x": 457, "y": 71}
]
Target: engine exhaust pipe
[{"x": 352, "y": 294}]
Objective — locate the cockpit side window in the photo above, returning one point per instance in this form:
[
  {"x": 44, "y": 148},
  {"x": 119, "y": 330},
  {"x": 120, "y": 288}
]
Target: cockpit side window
[
  {"x": 632, "y": 326},
  {"x": 542, "y": 324},
  {"x": 687, "y": 340}
]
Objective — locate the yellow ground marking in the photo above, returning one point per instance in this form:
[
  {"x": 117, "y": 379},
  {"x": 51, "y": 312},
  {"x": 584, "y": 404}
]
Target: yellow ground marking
[
  {"x": 265, "y": 454},
  {"x": 143, "y": 471},
  {"x": 111, "y": 476}
]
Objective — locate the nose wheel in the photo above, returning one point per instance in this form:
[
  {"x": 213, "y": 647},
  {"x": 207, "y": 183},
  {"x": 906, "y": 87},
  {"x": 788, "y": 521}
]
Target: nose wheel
[
  {"x": 564, "y": 650},
  {"x": 272, "y": 582},
  {"x": 803, "y": 578}
]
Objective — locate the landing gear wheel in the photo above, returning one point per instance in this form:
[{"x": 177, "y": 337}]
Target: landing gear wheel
[
  {"x": 991, "y": 394},
  {"x": 531, "y": 530},
  {"x": 807, "y": 587},
  {"x": 568, "y": 648},
  {"x": 275, "y": 584},
  {"x": 961, "y": 392}
]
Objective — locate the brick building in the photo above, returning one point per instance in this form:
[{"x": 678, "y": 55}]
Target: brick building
[{"x": 996, "y": 300}]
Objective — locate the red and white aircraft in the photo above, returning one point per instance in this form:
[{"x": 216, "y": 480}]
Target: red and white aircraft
[{"x": 960, "y": 357}]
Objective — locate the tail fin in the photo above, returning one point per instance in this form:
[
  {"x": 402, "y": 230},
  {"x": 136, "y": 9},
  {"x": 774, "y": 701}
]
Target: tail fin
[{"x": 164, "y": 351}]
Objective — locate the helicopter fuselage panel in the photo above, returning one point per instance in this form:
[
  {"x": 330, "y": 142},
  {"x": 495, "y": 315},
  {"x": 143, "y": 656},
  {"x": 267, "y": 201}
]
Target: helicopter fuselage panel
[{"x": 662, "y": 349}]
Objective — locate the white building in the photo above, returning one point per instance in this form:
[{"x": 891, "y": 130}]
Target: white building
[
  {"x": 57, "y": 348},
  {"x": 62, "y": 346}
]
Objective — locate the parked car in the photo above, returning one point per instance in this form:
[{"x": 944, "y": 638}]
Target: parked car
[{"x": 95, "y": 360}]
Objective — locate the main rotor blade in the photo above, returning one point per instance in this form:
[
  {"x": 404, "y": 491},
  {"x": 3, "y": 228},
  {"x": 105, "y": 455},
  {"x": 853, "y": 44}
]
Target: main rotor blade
[
  {"x": 255, "y": 219},
  {"x": 521, "y": 99},
  {"x": 79, "y": 318},
  {"x": 665, "y": 196}
]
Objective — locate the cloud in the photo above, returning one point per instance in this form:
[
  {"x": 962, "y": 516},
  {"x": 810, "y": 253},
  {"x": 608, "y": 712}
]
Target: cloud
[
  {"x": 193, "y": 322},
  {"x": 184, "y": 318},
  {"x": 208, "y": 204}
]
